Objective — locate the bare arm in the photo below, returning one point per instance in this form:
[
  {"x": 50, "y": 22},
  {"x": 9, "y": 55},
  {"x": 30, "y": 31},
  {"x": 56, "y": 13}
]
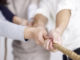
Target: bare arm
[
  {"x": 20, "y": 21},
  {"x": 39, "y": 20},
  {"x": 62, "y": 20}
]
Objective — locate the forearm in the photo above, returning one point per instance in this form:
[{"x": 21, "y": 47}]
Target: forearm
[
  {"x": 62, "y": 20},
  {"x": 17, "y": 20},
  {"x": 9, "y": 15},
  {"x": 39, "y": 20}
]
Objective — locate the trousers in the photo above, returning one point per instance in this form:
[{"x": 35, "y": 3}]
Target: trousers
[{"x": 29, "y": 50}]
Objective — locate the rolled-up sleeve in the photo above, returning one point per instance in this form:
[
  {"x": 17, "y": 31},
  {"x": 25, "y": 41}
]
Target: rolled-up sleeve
[
  {"x": 31, "y": 11},
  {"x": 66, "y": 4},
  {"x": 43, "y": 8}
]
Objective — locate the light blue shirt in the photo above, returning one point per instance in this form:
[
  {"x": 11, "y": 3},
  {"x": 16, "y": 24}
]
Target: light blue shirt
[{"x": 11, "y": 30}]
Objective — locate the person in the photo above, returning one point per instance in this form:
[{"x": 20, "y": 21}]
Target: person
[
  {"x": 65, "y": 14},
  {"x": 29, "y": 49},
  {"x": 9, "y": 15},
  {"x": 14, "y": 31}
]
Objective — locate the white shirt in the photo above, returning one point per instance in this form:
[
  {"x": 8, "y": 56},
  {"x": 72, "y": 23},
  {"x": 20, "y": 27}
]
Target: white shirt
[
  {"x": 23, "y": 8},
  {"x": 11, "y": 30},
  {"x": 49, "y": 8}
]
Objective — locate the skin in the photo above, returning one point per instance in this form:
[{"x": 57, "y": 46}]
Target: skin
[
  {"x": 62, "y": 20},
  {"x": 39, "y": 20},
  {"x": 35, "y": 32},
  {"x": 20, "y": 21}
]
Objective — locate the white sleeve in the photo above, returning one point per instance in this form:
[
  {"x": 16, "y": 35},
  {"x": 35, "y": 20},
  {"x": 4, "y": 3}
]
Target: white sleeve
[
  {"x": 11, "y": 30},
  {"x": 43, "y": 8},
  {"x": 31, "y": 11},
  {"x": 66, "y": 4}
]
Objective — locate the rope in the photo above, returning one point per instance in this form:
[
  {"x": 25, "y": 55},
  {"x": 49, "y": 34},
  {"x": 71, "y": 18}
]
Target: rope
[{"x": 67, "y": 52}]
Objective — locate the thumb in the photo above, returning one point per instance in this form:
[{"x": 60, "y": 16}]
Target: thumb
[
  {"x": 42, "y": 38},
  {"x": 45, "y": 37}
]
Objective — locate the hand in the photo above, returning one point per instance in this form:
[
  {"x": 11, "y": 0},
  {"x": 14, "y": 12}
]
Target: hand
[
  {"x": 33, "y": 23},
  {"x": 39, "y": 21},
  {"x": 20, "y": 21},
  {"x": 54, "y": 37},
  {"x": 35, "y": 33},
  {"x": 24, "y": 22}
]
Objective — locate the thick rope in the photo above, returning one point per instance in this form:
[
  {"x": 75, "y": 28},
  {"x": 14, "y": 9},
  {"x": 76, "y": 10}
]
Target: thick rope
[{"x": 67, "y": 52}]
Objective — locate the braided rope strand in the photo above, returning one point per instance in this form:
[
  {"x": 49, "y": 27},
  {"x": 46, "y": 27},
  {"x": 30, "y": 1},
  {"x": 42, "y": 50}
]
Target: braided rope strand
[{"x": 67, "y": 52}]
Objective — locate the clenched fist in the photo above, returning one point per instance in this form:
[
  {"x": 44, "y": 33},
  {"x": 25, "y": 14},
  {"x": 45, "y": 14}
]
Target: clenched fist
[
  {"x": 38, "y": 34},
  {"x": 53, "y": 37}
]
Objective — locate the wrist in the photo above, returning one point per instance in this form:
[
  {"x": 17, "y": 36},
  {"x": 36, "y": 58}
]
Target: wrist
[
  {"x": 59, "y": 30},
  {"x": 16, "y": 20},
  {"x": 28, "y": 33}
]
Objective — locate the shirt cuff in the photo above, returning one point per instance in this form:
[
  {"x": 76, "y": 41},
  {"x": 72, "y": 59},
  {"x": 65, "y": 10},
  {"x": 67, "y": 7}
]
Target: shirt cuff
[
  {"x": 67, "y": 4},
  {"x": 62, "y": 8},
  {"x": 43, "y": 12},
  {"x": 36, "y": 11},
  {"x": 20, "y": 33}
]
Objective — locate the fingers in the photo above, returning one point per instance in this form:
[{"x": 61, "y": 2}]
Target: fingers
[
  {"x": 53, "y": 37},
  {"x": 43, "y": 36},
  {"x": 49, "y": 45},
  {"x": 41, "y": 39},
  {"x": 46, "y": 44}
]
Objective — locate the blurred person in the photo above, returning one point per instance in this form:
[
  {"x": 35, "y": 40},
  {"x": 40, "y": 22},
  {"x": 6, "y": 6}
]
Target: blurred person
[
  {"x": 10, "y": 30},
  {"x": 65, "y": 14},
  {"x": 29, "y": 49},
  {"x": 9, "y": 15}
]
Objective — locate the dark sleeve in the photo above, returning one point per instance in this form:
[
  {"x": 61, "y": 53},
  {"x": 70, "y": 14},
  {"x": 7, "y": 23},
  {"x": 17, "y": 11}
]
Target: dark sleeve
[{"x": 7, "y": 13}]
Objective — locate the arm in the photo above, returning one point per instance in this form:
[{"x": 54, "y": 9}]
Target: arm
[
  {"x": 62, "y": 20},
  {"x": 39, "y": 20},
  {"x": 11, "y": 30},
  {"x": 11, "y": 17},
  {"x": 64, "y": 12},
  {"x": 41, "y": 14},
  {"x": 7, "y": 13},
  {"x": 20, "y": 33}
]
